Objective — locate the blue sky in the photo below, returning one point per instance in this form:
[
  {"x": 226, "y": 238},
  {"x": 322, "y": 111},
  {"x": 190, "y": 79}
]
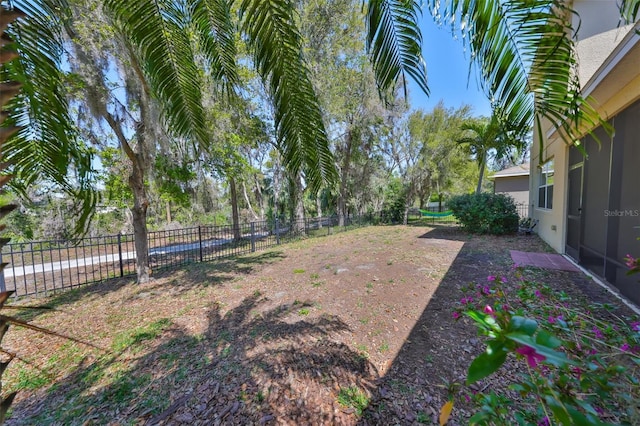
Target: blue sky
[{"x": 448, "y": 72}]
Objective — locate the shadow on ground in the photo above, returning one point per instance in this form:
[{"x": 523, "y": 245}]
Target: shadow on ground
[
  {"x": 179, "y": 279},
  {"x": 438, "y": 351},
  {"x": 258, "y": 364},
  {"x": 248, "y": 367}
]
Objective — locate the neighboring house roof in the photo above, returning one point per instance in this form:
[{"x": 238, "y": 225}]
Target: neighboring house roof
[{"x": 520, "y": 170}]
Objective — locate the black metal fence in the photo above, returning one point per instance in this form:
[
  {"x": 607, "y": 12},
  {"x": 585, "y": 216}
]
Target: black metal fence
[
  {"x": 44, "y": 267},
  {"x": 523, "y": 210}
]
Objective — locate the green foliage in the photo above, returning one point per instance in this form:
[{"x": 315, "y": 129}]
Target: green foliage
[
  {"x": 521, "y": 48},
  {"x": 583, "y": 360},
  {"x": 353, "y": 397},
  {"x": 395, "y": 43},
  {"x": 114, "y": 177},
  {"x": 30, "y": 379},
  {"x": 394, "y": 205},
  {"x": 173, "y": 179},
  {"x": 277, "y": 54},
  {"x": 485, "y": 213},
  {"x": 440, "y": 167},
  {"x": 47, "y": 146},
  {"x": 132, "y": 337},
  {"x": 496, "y": 138},
  {"x": 20, "y": 226}
]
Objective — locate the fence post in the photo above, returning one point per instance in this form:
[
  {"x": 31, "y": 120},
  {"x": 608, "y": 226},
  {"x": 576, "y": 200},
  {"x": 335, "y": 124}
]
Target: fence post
[
  {"x": 253, "y": 237},
  {"x": 277, "y": 232},
  {"x": 200, "y": 241},
  {"x": 3, "y": 285},
  {"x": 120, "y": 255}
]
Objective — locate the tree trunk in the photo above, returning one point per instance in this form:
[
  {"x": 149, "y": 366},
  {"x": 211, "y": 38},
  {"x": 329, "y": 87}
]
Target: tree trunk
[
  {"x": 246, "y": 199},
  {"x": 235, "y": 217},
  {"x": 140, "y": 200},
  {"x": 319, "y": 208},
  {"x": 168, "y": 210},
  {"x": 422, "y": 204},
  {"x": 259, "y": 197},
  {"x": 479, "y": 188},
  {"x": 344, "y": 176},
  {"x": 408, "y": 203},
  {"x": 297, "y": 192},
  {"x": 139, "y": 213}
]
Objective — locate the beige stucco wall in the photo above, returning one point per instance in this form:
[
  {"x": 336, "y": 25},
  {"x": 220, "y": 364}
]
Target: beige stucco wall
[
  {"x": 551, "y": 222},
  {"x": 613, "y": 85},
  {"x": 595, "y": 17}
]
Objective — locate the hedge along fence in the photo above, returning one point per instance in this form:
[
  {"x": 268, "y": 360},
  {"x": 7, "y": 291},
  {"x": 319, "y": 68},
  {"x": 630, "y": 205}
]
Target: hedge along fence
[{"x": 45, "y": 267}]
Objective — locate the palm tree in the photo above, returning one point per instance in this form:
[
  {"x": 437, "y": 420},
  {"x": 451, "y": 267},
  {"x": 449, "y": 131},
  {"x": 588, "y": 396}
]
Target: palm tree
[
  {"x": 521, "y": 48},
  {"x": 483, "y": 137}
]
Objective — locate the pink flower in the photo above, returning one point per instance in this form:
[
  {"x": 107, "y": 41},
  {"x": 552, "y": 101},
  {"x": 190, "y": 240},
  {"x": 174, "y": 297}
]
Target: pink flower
[
  {"x": 635, "y": 326},
  {"x": 456, "y": 315},
  {"x": 486, "y": 290},
  {"x": 538, "y": 294},
  {"x": 489, "y": 310},
  {"x": 531, "y": 355},
  {"x": 630, "y": 261},
  {"x": 505, "y": 307},
  {"x": 544, "y": 422},
  {"x": 503, "y": 280},
  {"x": 577, "y": 371},
  {"x": 553, "y": 320},
  {"x": 598, "y": 333},
  {"x": 625, "y": 347},
  {"x": 491, "y": 278}
]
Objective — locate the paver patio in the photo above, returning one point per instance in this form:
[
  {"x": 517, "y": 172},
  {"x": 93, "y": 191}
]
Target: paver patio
[{"x": 542, "y": 260}]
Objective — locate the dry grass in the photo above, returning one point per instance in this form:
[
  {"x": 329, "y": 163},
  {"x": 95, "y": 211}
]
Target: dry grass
[{"x": 274, "y": 336}]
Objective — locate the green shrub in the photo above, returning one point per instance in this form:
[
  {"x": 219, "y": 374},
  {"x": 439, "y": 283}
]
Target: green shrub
[{"x": 485, "y": 213}]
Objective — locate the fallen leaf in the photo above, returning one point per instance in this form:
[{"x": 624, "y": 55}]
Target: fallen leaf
[{"x": 445, "y": 412}]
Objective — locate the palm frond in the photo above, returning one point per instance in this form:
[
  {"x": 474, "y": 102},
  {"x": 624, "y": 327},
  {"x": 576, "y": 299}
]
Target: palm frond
[
  {"x": 216, "y": 32},
  {"x": 157, "y": 31},
  {"x": 630, "y": 11},
  {"x": 394, "y": 41},
  {"x": 47, "y": 146},
  {"x": 273, "y": 36},
  {"x": 525, "y": 53}
]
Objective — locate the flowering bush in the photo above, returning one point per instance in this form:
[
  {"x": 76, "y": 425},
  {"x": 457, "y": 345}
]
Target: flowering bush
[
  {"x": 580, "y": 363},
  {"x": 632, "y": 264}
]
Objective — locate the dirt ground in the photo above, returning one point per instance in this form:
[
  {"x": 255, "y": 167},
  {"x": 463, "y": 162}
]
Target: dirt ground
[{"x": 275, "y": 337}]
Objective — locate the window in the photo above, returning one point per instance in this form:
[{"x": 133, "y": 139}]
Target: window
[{"x": 545, "y": 186}]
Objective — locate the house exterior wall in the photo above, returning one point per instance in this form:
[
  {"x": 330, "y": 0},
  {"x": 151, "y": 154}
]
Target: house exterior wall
[
  {"x": 595, "y": 17},
  {"x": 609, "y": 71},
  {"x": 515, "y": 186},
  {"x": 613, "y": 93},
  {"x": 550, "y": 221}
]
